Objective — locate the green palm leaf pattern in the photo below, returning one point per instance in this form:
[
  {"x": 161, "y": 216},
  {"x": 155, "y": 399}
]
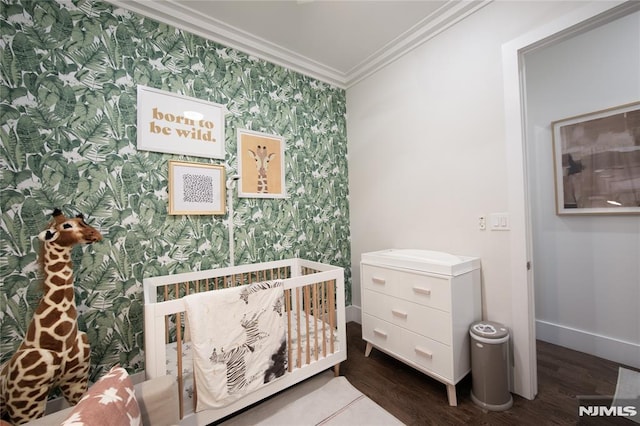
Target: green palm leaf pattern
[{"x": 69, "y": 74}]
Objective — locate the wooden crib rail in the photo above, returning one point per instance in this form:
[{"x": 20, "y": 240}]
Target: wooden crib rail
[
  {"x": 176, "y": 290},
  {"x": 152, "y": 283}
]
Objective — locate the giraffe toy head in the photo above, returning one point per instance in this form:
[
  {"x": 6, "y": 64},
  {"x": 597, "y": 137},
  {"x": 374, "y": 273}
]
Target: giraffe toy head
[{"x": 67, "y": 232}]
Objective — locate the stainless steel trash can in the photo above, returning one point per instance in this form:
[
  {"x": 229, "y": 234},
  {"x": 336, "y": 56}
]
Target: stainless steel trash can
[{"x": 490, "y": 366}]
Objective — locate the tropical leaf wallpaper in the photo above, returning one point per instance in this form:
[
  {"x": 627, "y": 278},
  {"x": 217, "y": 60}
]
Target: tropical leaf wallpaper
[{"x": 68, "y": 125}]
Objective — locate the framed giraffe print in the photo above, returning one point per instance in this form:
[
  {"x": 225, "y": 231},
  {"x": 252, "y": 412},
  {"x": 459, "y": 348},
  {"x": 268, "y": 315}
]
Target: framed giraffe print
[
  {"x": 196, "y": 188},
  {"x": 597, "y": 162},
  {"x": 261, "y": 165}
]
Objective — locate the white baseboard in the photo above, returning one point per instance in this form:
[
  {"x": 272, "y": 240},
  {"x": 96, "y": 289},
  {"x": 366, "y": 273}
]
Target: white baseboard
[
  {"x": 626, "y": 353},
  {"x": 353, "y": 313}
]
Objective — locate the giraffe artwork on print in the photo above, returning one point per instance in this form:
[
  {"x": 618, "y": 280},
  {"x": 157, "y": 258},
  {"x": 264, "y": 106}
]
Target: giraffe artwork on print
[
  {"x": 262, "y": 159},
  {"x": 54, "y": 353}
]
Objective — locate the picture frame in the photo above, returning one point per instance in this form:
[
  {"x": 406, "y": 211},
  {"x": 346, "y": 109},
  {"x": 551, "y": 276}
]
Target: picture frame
[
  {"x": 178, "y": 124},
  {"x": 261, "y": 165},
  {"x": 596, "y": 159},
  {"x": 196, "y": 188}
]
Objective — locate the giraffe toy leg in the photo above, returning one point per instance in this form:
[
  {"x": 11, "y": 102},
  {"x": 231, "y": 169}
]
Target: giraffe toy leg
[
  {"x": 74, "y": 380},
  {"x": 28, "y": 378}
]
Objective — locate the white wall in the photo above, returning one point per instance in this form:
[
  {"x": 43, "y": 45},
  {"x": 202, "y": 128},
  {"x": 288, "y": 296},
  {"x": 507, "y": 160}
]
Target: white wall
[
  {"x": 586, "y": 268},
  {"x": 427, "y": 147},
  {"x": 427, "y": 150}
]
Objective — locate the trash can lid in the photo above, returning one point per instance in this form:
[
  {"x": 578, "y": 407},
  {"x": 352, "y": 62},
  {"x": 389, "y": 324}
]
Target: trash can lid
[{"x": 489, "y": 330}]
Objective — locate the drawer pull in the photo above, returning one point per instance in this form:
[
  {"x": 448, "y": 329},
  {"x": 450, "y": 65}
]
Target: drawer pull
[
  {"x": 424, "y": 352},
  {"x": 379, "y": 333},
  {"x": 398, "y": 313},
  {"x": 422, "y": 290},
  {"x": 378, "y": 280}
]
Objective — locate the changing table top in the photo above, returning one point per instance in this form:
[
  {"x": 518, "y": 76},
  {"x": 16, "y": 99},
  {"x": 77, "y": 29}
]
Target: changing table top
[{"x": 436, "y": 262}]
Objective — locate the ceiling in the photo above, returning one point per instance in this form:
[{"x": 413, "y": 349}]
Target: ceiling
[{"x": 339, "y": 42}]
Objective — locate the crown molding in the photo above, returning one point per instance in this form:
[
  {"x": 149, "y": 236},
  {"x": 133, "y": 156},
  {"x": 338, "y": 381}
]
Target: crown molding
[
  {"x": 445, "y": 17},
  {"x": 171, "y": 12},
  {"x": 175, "y": 14}
]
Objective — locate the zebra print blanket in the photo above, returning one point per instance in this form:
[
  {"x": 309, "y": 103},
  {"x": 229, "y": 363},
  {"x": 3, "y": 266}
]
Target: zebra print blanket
[{"x": 238, "y": 336}]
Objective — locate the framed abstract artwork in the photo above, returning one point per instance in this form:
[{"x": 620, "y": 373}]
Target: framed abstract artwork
[
  {"x": 196, "y": 189},
  {"x": 261, "y": 165},
  {"x": 597, "y": 162}
]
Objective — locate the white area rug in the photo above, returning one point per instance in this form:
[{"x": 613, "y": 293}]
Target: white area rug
[
  {"x": 628, "y": 389},
  {"x": 321, "y": 400}
]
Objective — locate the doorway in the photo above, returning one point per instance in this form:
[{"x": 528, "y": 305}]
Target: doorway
[
  {"x": 587, "y": 296},
  {"x": 516, "y": 132}
]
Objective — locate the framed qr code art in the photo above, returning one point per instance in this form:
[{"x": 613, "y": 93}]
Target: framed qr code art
[{"x": 196, "y": 188}]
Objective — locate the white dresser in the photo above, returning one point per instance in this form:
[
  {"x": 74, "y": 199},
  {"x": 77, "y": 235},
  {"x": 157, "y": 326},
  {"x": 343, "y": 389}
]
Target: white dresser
[{"x": 417, "y": 306}]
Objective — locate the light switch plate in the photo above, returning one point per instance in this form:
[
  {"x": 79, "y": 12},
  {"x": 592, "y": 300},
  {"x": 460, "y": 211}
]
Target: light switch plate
[{"x": 499, "y": 221}]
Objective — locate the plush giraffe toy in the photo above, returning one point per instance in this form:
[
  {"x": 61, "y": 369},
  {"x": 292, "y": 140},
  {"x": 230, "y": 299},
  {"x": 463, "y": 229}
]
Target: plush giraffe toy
[{"x": 54, "y": 352}]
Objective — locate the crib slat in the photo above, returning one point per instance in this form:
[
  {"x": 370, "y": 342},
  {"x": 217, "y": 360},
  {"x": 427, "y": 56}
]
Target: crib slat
[
  {"x": 306, "y": 309},
  {"x": 287, "y": 304},
  {"x": 194, "y": 396},
  {"x": 315, "y": 319},
  {"x": 323, "y": 317},
  {"x": 332, "y": 314},
  {"x": 179, "y": 354},
  {"x": 299, "y": 355},
  {"x": 166, "y": 318}
]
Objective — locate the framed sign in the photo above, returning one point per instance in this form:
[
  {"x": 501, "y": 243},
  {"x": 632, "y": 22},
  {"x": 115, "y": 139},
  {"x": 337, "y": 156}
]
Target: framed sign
[
  {"x": 597, "y": 162},
  {"x": 260, "y": 165},
  {"x": 176, "y": 124},
  {"x": 196, "y": 188}
]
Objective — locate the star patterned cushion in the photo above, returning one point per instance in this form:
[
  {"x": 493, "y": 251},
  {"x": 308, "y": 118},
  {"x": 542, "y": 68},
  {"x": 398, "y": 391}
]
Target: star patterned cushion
[{"x": 111, "y": 401}]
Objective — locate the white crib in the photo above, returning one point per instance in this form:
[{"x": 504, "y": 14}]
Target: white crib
[{"x": 315, "y": 317}]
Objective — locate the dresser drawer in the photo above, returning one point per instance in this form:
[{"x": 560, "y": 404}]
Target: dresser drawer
[
  {"x": 429, "y": 322},
  {"x": 426, "y": 290},
  {"x": 423, "y": 353}
]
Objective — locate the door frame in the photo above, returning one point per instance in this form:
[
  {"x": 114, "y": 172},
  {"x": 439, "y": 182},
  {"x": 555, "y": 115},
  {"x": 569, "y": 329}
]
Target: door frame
[{"x": 522, "y": 281}]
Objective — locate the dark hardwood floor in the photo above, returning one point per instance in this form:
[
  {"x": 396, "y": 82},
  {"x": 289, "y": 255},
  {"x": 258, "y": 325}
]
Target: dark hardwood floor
[{"x": 416, "y": 399}]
